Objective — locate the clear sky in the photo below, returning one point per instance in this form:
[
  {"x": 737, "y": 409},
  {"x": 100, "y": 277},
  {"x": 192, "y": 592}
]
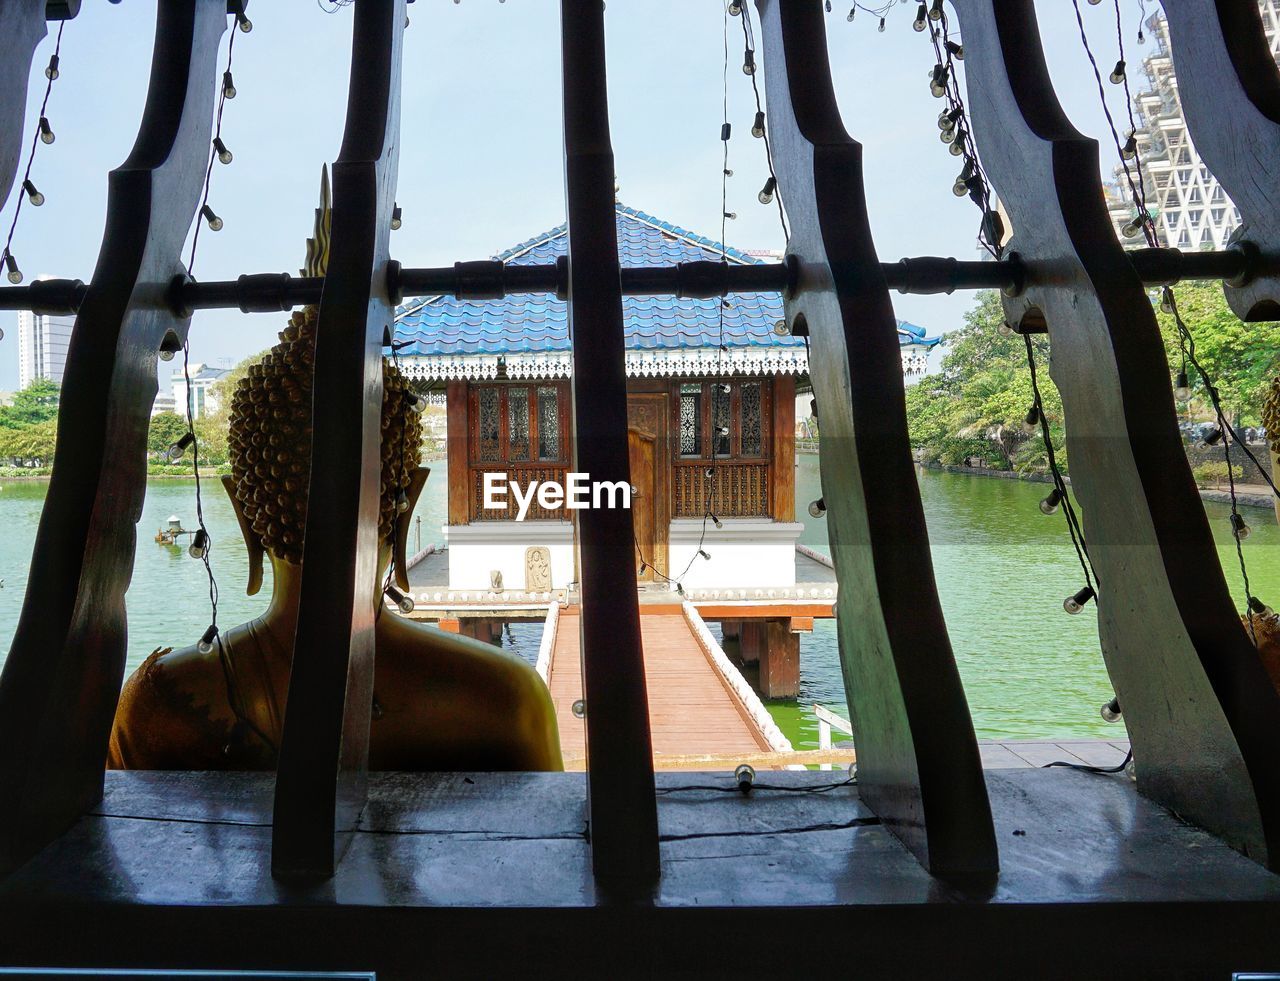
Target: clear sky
[{"x": 480, "y": 160}]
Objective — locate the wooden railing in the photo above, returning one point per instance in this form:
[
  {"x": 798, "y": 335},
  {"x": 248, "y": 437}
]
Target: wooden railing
[{"x": 738, "y": 490}]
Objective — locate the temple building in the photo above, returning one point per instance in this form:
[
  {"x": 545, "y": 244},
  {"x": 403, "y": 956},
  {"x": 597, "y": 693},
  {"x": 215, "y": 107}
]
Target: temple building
[{"x": 712, "y": 402}]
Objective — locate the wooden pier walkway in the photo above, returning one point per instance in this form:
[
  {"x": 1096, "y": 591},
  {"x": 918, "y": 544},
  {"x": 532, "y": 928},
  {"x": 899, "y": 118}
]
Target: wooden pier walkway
[{"x": 692, "y": 708}]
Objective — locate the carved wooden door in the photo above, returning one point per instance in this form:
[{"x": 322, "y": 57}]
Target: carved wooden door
[{"x": 646, "y": 431}]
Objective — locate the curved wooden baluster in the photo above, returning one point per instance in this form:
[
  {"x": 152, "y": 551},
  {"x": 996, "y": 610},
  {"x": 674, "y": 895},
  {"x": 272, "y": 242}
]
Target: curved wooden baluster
[
  {"x": 624, "y": 821},
  {"x": 324, "y": 752},
  {"x": 62, "y": 679},
  {"x": 918, "y": 763},
  {"x": 1200, "y": 711},
  {"x": 22, "y": 26},
  {"x": 1230, "y": 90}
]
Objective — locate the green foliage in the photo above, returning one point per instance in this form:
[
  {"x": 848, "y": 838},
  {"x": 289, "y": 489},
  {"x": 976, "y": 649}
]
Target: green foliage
[
  {"x": 166, "y": 429},
  {"x": 36, "y": 403},
  {"x": 1240, "y": 358},
  {"x": 977, "y": 404},
  {"x": 1215, "y": 472},
  {"x": 31, "y": 445}
]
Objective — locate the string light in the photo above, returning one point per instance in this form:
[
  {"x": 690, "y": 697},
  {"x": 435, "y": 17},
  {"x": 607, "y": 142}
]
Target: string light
[
  {"x": 220, "y": 148},
  {"x": 214, "y": 222},
  {"x": 757, "y": 127},
  {"x": 1076, "y": 603},
  {"x": 205, "y": 646},
  {"x": 397, "y": 218},
  {"x": 1110, "y": 711},
  {"x": 11, "y": 264},
  {"x": 1117, "y": 74},
  {"x": 199, "y": 544},
  {"x": 766, "y": 193},
  {"x": 228, "y": 85},
  {"x": 1259, "y": 608},
  {"x": 1181, "y": 387},
  {"x": 921, "y": 21},
  {"x": 1213, "y": 437},
  {"x": 403, "y": 602},
  {"x": 881, "y": 27},
  {"x": 1239, "y": 528},
  {"x": 744, "y": 775},
  {"x": 817, "y": 508},
  {"x": 179, "y": 447},
  {"x": 748, "y": 62},
  {"x": 1051, "y": 501},
  {"x": 52, "y": 73},
  {"x": 46, "y": 131},
  {"x": 1031, "y": 421}
]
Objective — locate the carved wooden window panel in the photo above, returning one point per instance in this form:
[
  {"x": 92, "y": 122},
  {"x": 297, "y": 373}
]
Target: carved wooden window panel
[
  {"x": 723, "y": 420},
  {"x": 519, "y": 430}
]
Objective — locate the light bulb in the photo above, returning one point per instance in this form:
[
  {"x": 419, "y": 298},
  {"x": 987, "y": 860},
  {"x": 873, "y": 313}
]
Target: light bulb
[
  {"x": 853, "y": 12},
  {"x": 1117, "y": 73},
  {"x": 199, "y": 544},
  {"x": 1142, "y": 38},
  {"x": 1130, "y": 149},
  {"x": 46, "y": 131},
  {"x": 947, "y": 119},
  {"x": 717, "y": 522},
  {"x": 11, "y": 264},
  {"x": 1131, "y": 229},
  {"x": 728, "y": 172},
  {"x": 52, "y": 73},
  {"x": 938, "y": 81},
  {"x": 402, "y": 502},
  {"x": 922, "y": 13},
  {"x": 947, "y": 135},
  {"x": 1050, "y": 503},
  {"x": 757, "y": 126},
  {"x": 228, "y": 86},
  {"x": 224, "y": 155},
  {"x": 1239, "y": 528},
  {"x": 1259, "y": 608},
  {"x": 748, "y": 62},
  {"x": 828, "y": 6},
  {"x": 781, "y": 329},
  {"x": 703, "y": 553},
  {"x": 959, "y": 188},
  {"x": 1213, "y": 437},
  {"x": 1181, "y": 387},
  {"x": 396, "y": 218},
  {"x": 166, "y": 355},
  {"x": 175, "y": 451},
  {"x": 1076, "y": 603},
  {"x": 206, "y": 640},
  {"x": 215, "y": 223},
  {"x": 735, "y": 8},
  {"x": 935, "y": 12},
  {"x": 766, "y": 193},
  {"x": 403, "y": 603},
  {"x": 579, "y": 709},
  {"x": 957, "y": 148},
  {"x": 744, "y": 776},
  {"x": 33, "y": 195},
  {"x": 417, "y": 403},
  {"x": 731, "y": 215},
  {"x": 1111, "y": 710},
  {"x": 1166, "y": 300},
  {"x": 244, "y": 23},
  {"x": 881, "y": 27},
  {"x": 817, "y": 508},
  {"x": 1031, "y": 421},
  {"x": 955, "y": 50}
]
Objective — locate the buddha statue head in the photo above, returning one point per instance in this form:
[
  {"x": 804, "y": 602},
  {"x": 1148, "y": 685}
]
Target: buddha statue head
[{"x": 270, "y": 438}]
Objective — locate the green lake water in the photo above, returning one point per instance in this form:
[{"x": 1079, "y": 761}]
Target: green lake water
[{"x": 1030, "y": 671}]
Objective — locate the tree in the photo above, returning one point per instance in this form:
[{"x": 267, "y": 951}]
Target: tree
[
  {"x": 31, "y": 445},
  {"x": 977, "y": 404},
  {"x": 166, "y": 429},
  {"x": 1240, "y": 358},
  {"x": 36, "y": 403}
]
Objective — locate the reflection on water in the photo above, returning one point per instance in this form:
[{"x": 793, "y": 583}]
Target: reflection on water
[{"x": 1002, "y": 569}]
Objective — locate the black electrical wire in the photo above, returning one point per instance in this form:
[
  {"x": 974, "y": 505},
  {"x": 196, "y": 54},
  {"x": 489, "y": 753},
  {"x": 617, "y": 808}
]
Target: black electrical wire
[{"x": 1086, "y": 768}]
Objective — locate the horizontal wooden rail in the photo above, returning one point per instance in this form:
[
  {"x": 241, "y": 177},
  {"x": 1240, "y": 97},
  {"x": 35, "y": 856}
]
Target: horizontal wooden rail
[{"x": 491, "y": 279}]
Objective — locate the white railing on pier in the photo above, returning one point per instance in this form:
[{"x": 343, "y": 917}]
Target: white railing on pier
[
  {"x": 548, "y": 643},
  {"x": 827, "y": 721},
  {"x": 419, "y": 556},
  {"x": 737, "y": 683},
  {"x": 810, "y": 553}
]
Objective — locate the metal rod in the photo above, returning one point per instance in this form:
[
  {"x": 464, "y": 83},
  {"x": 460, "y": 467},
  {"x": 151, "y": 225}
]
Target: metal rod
[{"x": 491, "y": 279}]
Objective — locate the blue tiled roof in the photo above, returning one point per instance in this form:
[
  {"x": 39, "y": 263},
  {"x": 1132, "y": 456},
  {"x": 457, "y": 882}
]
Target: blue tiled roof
[{"x": 539, "y": 322}]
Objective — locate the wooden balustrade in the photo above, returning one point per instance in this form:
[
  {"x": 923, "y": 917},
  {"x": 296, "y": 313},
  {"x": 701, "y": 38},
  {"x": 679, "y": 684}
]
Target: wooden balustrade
[
  {"x": 734, "y": 490},
  {"x": 525, "y": 477}
]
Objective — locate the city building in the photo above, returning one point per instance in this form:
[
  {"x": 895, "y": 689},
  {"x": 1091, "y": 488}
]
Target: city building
[
  {"x": 42, "y": 346},
  {"x": 1190, "y": 208},
  {"x": 204, "y": 398}
]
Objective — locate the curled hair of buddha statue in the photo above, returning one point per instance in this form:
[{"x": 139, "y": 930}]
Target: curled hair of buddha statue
[{"x": 270, "y": 438}]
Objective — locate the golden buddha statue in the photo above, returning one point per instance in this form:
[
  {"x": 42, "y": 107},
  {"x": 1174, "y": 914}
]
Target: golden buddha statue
[{"x": 441, "y": 701}]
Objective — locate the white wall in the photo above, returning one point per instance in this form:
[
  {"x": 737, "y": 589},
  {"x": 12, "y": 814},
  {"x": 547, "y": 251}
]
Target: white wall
[
  {"x": 745, "y": 552},
  {"x": 477, "y": 549}
]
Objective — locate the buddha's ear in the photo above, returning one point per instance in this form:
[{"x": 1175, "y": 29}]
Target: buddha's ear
[
  {"x": 417, "y": 481},
  {"x": 251, "y": 540}
]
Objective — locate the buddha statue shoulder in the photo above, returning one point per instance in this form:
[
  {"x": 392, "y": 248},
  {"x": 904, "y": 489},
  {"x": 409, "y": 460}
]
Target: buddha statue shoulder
[{"x": 441, "y": 701}]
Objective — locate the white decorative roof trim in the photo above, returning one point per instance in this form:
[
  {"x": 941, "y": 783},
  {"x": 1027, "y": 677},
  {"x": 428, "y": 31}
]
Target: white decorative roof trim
[{"x": 640, "y": 364}]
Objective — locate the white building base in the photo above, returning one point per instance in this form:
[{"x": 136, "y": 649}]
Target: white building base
[
  {"x": 745, "y": 552},
  {"x": 477, "y": 551}
]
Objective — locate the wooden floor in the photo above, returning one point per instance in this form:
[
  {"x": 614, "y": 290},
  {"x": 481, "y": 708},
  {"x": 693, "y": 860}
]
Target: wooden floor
[{"x": 691, "y": 710}]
